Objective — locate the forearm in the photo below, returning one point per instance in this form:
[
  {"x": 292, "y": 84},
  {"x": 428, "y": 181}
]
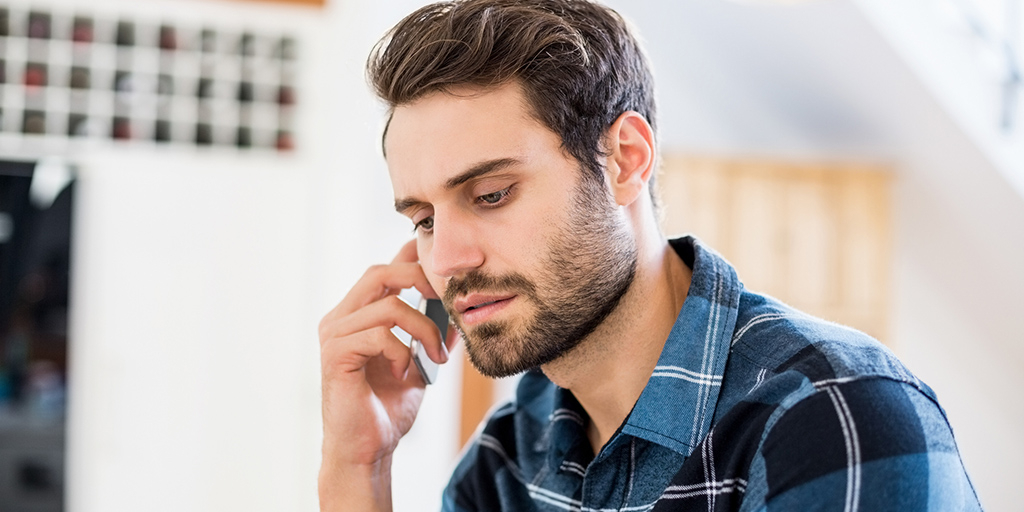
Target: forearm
[{"x": 355, "y": 488}]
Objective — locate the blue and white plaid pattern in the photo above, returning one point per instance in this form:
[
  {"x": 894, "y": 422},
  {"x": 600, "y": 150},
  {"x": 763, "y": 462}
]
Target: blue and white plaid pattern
[{"x": 753, "y": 406}]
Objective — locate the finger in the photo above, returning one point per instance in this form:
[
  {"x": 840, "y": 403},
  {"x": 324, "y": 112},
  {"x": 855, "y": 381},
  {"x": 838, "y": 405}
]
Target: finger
[
  {"x": 353, "y": 353},
  {"x": 379, "y": 281},
  {"x": 390, "y": 312},
  {"x": 408, "y": 253}
]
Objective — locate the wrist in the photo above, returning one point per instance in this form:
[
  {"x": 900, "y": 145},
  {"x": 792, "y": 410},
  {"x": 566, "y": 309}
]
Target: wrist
[{"x": 355, "y": 487}]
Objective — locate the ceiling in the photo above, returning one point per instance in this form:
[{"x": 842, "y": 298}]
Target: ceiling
[{"x": 813, "y": 78}]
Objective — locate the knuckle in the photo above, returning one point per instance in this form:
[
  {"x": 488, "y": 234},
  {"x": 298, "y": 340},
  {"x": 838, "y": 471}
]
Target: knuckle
[
  {"x": 328, "y": 354},
  {"x": 381, "y": 333},
  {"x": 331, "y": 327},
  {"x": 323, "y": 328},
  {"x": 394, "y": 301},
  {"x": 375, "y": 270}
]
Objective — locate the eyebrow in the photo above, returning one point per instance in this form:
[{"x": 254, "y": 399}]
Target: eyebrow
[{"x": 478, "y": 170}]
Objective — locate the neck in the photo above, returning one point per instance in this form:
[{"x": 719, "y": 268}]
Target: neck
[{"x": 608, "y": 371}]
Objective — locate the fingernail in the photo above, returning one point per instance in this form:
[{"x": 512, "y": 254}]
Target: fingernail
[{"x": 444, "y": 352}]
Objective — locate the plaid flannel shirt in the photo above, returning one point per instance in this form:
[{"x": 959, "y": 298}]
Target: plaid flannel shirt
[{"x": 753, "y": 406}]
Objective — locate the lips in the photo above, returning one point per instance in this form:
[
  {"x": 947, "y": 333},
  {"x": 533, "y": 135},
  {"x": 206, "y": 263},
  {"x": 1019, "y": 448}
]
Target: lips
[
  {"x": 477, "y": 300},
  {"x": 471, "y": 308},
  {"x": 476, "y": 308}
]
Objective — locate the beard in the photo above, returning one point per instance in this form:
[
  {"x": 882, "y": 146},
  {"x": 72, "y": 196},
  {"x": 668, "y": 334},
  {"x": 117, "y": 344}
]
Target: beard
[{"x": 588, "y": 266}]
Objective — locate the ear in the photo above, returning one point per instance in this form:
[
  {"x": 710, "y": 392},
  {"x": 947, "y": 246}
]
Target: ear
[{"x": 630, "y": 144}]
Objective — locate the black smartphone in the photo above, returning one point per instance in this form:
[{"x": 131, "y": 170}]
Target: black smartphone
[{"x": 434, "y": 310}]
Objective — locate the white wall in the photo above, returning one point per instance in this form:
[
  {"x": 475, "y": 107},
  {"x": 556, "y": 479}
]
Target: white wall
[{"x": 189, "y": 380}]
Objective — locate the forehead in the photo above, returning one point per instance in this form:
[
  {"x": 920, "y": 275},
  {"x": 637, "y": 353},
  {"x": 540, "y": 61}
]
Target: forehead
[{"x": 443, "y": 133}]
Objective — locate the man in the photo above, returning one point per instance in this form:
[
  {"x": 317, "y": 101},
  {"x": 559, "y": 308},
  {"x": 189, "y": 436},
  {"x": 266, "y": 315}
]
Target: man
[{"x": 521, "y": 146}]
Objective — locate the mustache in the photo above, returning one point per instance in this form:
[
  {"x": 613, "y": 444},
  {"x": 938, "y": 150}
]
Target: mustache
[{"x": 477, "y": 281}]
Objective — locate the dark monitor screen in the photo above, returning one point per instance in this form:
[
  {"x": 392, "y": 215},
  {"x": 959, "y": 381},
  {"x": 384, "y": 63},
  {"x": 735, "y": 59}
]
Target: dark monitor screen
[{"x": 35, "y": 249}]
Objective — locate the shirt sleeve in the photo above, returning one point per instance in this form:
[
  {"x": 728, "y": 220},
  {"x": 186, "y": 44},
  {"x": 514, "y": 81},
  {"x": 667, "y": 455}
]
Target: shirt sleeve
[{"x": 872, "y": 444}]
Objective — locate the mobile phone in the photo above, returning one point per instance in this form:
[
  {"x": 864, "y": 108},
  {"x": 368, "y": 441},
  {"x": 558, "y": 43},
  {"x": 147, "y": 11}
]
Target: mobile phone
[{"x": 434, "y": 310}]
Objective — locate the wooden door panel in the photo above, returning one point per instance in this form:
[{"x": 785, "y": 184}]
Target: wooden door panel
[{"x": 816, "y": 236}]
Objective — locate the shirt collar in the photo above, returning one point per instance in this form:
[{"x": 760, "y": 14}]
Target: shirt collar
[{"x": 676, "y": 407}]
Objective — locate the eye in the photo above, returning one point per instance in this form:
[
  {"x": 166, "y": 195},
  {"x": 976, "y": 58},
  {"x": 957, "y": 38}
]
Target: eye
[
  {"x": 494, "y": 198},
  {"x": 425, "y": 225}
]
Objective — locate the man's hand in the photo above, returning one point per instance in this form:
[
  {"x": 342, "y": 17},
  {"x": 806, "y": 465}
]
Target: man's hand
[{"x": 371, "y": 392}]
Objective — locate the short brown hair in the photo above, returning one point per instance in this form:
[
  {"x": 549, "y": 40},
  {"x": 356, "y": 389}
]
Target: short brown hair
[{"x": 577, "y": 61}]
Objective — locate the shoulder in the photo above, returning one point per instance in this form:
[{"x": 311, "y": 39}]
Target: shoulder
[
  {"x": 794, "y": 364},
  {"x": 840, "y": 417},
  {"x": 779, "y": 356},
  {"x": 873, "y": 442},
  {"x": 779, "y": 339}
]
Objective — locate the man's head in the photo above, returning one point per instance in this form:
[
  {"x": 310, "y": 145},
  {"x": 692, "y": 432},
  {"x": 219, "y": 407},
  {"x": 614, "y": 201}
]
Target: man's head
[
  {"x": 519, "y": 175},
  {"x": 577, "y": 62}
]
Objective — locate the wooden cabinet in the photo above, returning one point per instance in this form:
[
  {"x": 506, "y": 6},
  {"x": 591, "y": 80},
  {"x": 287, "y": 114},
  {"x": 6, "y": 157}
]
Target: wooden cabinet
[{"x": 816, "y": 236}]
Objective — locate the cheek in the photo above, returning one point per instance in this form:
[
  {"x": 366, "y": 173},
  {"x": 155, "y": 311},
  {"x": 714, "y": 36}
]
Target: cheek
[{"x": 524, "y": 248}]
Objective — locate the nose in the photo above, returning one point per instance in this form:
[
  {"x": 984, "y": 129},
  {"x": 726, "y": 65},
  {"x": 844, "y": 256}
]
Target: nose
[{"x": 455, "y": 248}]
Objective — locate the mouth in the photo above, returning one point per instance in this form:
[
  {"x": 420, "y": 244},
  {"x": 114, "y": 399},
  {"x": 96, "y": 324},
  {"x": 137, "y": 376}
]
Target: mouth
[
  {"x": 476, "y": 308},
  {"x": 485, "y": 304},
  {"x": 476, "y": 301}
]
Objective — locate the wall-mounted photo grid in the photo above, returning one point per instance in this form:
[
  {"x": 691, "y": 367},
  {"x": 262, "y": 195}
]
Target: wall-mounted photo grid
[{"x": 84, "y": 77}]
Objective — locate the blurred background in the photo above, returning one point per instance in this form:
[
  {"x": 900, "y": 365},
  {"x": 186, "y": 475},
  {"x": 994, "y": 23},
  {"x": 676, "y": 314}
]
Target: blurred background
[{"x": 187, "y": 186}]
